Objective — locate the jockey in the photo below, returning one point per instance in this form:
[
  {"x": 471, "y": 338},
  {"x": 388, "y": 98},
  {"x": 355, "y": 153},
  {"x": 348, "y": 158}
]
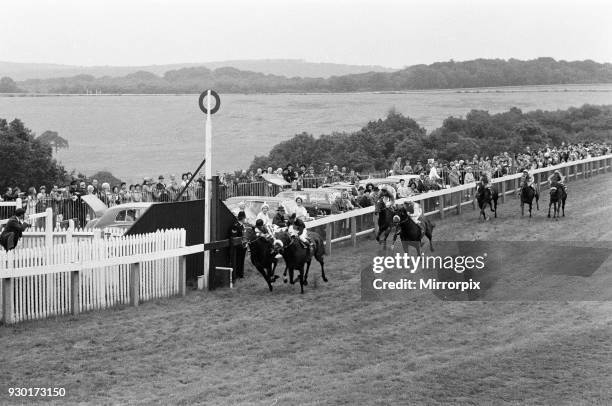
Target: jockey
[
  {"x": 529, "y": 179},
  {"x": 415, "y": 212},
  {"x": 299, "y": 229},
  {"x": 388, "y": 195},
  {"x": 261, "y": 230},
  {"x": 280, "y": 219},
  {"x": 485, "y": 182},
  {"x": 557, "y": 178}
]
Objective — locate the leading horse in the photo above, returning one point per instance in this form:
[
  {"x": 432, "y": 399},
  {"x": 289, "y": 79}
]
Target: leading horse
[
  {"x": 262, "y": 255},
  {"x": 486, "y": 197},
  {"x": 558, "y": 195}
]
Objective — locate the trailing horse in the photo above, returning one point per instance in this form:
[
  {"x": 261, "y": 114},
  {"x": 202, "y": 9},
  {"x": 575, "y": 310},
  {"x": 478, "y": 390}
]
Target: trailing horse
[
  {"x": 297, "y": 257},
  {"x": 411, "y": 234},
  {"x": 527, "y": 195},
  {"x": 385, "y": 220},
  {"x": 558, "y": 195},
  {"x": 262, "y": 255},
  {"x": 486, "y": 196}
]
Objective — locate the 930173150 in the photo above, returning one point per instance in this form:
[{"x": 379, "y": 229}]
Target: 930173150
[{"x": 36, "y": 392}]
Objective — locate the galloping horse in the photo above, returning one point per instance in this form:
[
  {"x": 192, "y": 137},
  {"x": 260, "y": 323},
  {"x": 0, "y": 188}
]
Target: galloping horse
[
  {"x": 486, "y": 196},
  {"x": 262, "y": 255},
  {"x": 411, "y": 234},
  {"x": 297, "y": 256},
  {"x": 385, "y": 220},
  {"x": 527, "y": 195},
  {"x": 558, "y": 195}
]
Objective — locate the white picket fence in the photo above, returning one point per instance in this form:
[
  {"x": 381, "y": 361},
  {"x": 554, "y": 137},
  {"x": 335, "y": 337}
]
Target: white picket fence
[{"x": 92, "y": 274}]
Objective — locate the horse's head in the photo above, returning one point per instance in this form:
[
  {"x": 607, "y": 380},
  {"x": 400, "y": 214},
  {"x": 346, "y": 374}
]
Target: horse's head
[{"x": 247, "y": 236}]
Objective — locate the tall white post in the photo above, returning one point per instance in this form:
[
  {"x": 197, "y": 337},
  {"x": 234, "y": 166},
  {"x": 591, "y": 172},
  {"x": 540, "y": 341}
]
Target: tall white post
[
  {"x": 207, "y": 188},
  {"x": 49, "y": 227}
]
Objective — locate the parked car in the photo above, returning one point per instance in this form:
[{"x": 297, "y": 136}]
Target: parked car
[
  {"x": 316, "y": 200},
  {"x": 252, "y": 205},
  {"x": 121, "y": 216}
]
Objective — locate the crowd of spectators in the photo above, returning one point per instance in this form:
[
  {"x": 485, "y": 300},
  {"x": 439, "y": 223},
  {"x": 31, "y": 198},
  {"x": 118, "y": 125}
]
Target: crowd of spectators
[{"x": 432, "y": 174}]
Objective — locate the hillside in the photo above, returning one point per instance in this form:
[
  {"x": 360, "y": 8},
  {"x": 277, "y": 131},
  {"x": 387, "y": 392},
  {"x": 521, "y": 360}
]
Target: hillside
[
  {"x": 440, "y": 75},
  {"x": 281, "y": 67}
]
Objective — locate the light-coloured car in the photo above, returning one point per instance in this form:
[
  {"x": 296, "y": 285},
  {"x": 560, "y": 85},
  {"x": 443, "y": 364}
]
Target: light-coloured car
[
  {"x": 315, "y": 200},
  {"x": 252, "y": 205},
  {"x": 121, "y": 216}
]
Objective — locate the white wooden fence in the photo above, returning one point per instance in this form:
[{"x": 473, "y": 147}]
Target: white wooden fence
[
  {"x": 94, "y": 274},
  {"x": 355, "y": 223}
]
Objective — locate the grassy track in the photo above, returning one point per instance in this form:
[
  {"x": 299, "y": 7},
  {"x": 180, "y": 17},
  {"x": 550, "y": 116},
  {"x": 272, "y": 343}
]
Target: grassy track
[{"x": 249, "y": 346}]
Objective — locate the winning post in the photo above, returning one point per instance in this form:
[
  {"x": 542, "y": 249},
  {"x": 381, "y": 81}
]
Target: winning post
[{"x": 208, "y": 95}]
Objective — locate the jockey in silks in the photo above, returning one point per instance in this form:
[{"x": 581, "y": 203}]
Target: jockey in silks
[
  {"x": 558, "y": 178},
  {"x": 485, "y": 181},
  {"x": 527, "y": 177},
  {"x": 415, "y": 212},
  {"x": 387, "y": 195},
  {"x": 299, "y": 229}
]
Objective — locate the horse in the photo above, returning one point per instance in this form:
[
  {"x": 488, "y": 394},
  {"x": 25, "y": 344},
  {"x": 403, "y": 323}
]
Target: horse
[
  {"x": 262, "y": 255},
  {"x": 385, "y": 220},
  {"x": 297, "y": 256},
  {"x": 411, "y": 234},
  {"x": 558, "y": 195},
  {"x": 486, "y": 196},
  {"x": 527, "y": 195}
]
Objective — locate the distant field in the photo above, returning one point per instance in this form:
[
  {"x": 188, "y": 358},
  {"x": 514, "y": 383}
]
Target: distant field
[{"x": 249, "y": 346}]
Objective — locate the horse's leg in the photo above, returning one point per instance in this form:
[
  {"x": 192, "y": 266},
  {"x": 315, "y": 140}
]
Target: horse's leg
[
  {"x": 530, "y": 207},
  {"x": 522, "y": 208},
  {"x": 291, "y": 280},
  {"x": 495, "y": 211},
  {"x": 263, "y": 273},
  {"x": 406, "y": 247},
  {"x": 320, "y": 259},
  {"x": 537, "y": 197},
  {"x": 285, "y": 274},
  {"x": 563, "y": 207},
  {"x": 549, "y": 204},
  {"x": 306, "y": 272},
  {"x": 301, "y": 276},
  {"x": 429, "y": 237}
]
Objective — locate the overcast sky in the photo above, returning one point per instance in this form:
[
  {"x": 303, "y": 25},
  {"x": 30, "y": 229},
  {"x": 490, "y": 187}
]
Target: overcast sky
[{"x": 384, "y": 32}]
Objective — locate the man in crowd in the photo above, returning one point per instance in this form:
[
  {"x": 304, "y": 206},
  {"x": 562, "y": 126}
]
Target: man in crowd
[{"x": 13, "y": 230}]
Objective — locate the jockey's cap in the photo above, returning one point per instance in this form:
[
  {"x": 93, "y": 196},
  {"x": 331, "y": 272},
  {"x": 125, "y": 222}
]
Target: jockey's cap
[
  {"x": 281, "y": 208},
  {"x": 525, "y": 171},
  {"x": 299, "y": 198},
  {"x": 396, "y": 219},
  {"x": 278, "y": 243}
]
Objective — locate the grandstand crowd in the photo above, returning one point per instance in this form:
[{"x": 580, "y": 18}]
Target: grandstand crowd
[{"x": 432, "y": 175}]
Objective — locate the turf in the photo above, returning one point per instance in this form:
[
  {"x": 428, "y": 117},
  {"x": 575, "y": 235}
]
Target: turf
[{"x": 250, "y": 346}]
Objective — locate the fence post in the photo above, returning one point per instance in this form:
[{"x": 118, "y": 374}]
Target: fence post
[
  {"x": 441, "y": 203},
  {"x": 328, "y": 237},
  {"x": 182, "y": 275},
  {"x": 70, "y": 231},
  {"x": 134, "y": 284},
  {"x": 459, "y": 202},
  {"x": 566, "y": 170},
  {"x": 503, "y": 191},
  {"x": 8, "y": 310},
  {"x": 354, "y": 231},
  {"x": 75, "y": 292},
  {"x": 49, "y": 227}
]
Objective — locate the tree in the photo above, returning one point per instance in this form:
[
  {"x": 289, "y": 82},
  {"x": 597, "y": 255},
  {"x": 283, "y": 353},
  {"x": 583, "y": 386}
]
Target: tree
[
  {"x": 8, "y": 85},
  {"x": 53, "y": 139},
  {"x": 26, "y": 161}
]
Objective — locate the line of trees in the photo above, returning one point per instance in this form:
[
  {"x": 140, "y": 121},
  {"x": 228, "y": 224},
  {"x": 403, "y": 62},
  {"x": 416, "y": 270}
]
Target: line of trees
[
  {"x": 441, "y": 75},
  {"x": 380, "y": 142}
]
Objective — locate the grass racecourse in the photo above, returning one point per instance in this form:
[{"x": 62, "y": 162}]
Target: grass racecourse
[{"x": 249, "y": 346}]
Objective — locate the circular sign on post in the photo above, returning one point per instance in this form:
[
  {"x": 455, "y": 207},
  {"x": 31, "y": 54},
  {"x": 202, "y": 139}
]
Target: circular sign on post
[{"x": 217, "y": 102}]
